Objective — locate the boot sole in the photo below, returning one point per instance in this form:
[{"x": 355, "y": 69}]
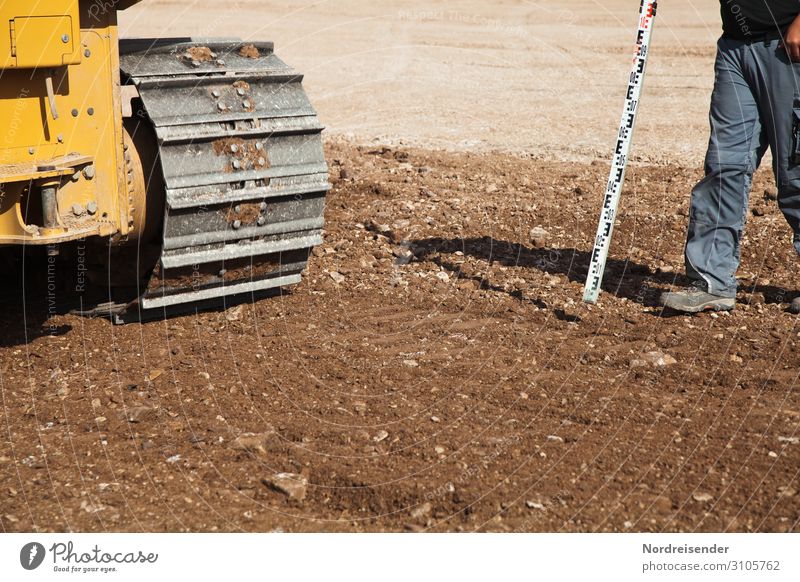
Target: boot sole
[{"x": 709, "y": 306}]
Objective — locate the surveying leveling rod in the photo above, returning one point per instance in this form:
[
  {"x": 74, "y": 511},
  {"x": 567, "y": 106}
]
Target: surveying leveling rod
[{"x": 647, "y": 14}]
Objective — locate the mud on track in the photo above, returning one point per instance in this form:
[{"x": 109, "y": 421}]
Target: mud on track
[{"x": 435, "y": 371}]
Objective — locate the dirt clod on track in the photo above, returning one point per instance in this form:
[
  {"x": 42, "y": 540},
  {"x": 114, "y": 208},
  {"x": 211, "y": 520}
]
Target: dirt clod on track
[{"x": 448, "y": 378}]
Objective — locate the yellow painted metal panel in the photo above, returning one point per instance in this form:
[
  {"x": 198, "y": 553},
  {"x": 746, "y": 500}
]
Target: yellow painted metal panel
[
  {"x": 39, "y": 34},
  {"x": 89, "y": 127}
]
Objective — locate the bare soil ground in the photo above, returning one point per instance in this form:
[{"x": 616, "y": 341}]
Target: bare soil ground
[{"x": 436, "y": 370}]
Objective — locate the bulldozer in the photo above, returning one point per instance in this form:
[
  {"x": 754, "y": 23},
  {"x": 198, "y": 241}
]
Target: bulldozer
[{"x": 190, "y": 171}]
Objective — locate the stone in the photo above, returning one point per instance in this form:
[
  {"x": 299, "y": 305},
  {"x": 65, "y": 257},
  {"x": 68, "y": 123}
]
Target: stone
[
  {"x": 154, "y": 374},
  {"x": 655, "y": 359},
  {"x": 535, "y": 505},
  {"x": 442, "y": 276},
  {"x": 421, "y": 511},
  {"x": 380, "y": 436},
  {"x": 701, "y": 497},
  {"x": 771, "y": 193},
  {"x": 252, "y": 442},
  {"x": 337, "y": 277},
  {"x": 139, "y": 414},
  {"x": 292, "y": 485},
  {"x": 539, "y": 236},
  {"x": 235, "y": 313}
]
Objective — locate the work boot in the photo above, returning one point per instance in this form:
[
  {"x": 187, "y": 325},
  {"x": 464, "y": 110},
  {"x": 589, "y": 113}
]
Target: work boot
[
  {"x": 693, "y": 299},
  {"x": 795, "y": 306}
]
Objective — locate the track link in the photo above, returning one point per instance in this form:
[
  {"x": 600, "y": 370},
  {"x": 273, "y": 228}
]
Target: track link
[{"x": 244, "y": 171}]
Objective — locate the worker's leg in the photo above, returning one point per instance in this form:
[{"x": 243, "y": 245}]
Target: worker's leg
[
  {"x": 778, "y": 94},
  {"x": 719, "y": 201}
]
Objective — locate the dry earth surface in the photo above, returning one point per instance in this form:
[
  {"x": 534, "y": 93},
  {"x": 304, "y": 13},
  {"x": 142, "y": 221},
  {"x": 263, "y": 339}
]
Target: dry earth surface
[{"x": 436, "y": 370}]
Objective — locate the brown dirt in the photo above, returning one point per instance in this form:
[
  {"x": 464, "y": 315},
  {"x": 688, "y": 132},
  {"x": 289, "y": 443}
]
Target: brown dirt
[
  {"x": 246, "y": 151},
  {"x": 435, "y": 370},
  {"x": 250, "y": 51},
  {"x": 246, "y": 212},
  {"x": 201, "y": 54}
]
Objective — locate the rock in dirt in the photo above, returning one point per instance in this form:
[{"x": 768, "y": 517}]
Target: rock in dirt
[
  {"x": 337, "y": 277},
  {"x": 235, "y": 313},
  {"x": 423, "y": 510},
  {"x": 787, "y": 491},
  {"x": 703, "y": 497},
  {"x": 535, "y": 505},
  {"x": 381, "y": 436},
  {"x": 292, "y": 485},
  {"x": 139, "y": 413},
  {"x": 654, "y": 359},
  {"x": 539, "y": 236},
  {"x": 771, "y": 193},
  {"x": 252, "y": 442},
  {"x": 153, "y": 374}
]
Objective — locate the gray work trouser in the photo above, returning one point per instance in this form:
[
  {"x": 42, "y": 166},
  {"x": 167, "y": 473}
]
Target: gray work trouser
[{"x": 755, "y": 104}]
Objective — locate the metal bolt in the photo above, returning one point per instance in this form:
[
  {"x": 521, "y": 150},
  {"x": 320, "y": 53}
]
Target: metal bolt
[
  {"x": 262, "y": 161},
  {"x": 90, "y": 111},
  {"x": 91, "y": 208},
  {"x": 222, "y": 272},
  {"x": 237, "y": 209},
  {"x": 246, "y": 104},
  {"x": 261, "y": 221},
  {"x": 76, "y": 176},
  {"x": 87, "y": 53},
  {"x": 74, "y": 113},
  {"x": 65, "y": 38},
  {"x": 237, "y": 165},
  {"x": 60, "y": 138},
  {"x": 220, "y": 62},
  {"x": 237, "y": 224},
  {"x": 215, "y": 94},
  {"x": 234, "y": 148},
  {"x": 259, "y": 146},
  {"x": 240, "y": 92},
  {"x": 263, "y": 206},
  {"x": 222, "y": 106},
  {"x": 31, "y": 150},
  {"x": 196, "y": 64},
  {"x": 88, "y": 172},
  {"x": 77, "y": 209}
]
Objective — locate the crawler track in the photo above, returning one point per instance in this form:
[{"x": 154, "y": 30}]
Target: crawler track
[{"x": 243, "y": 168}]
